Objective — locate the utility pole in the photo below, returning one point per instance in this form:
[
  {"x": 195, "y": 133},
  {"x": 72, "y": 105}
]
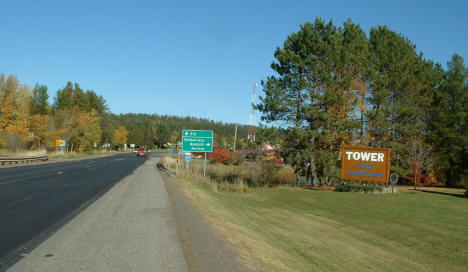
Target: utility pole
[
  {"x": 235, "y": 138},
  {"x": 251, "y": 130}
]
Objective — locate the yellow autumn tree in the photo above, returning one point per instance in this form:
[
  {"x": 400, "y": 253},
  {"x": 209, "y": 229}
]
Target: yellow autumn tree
[
  {"x": 120, "y": 136},
  {"x": 88, "y": 130},
  {"x": 19, "y": 121},
  {"x": 14, "y": 115},
  {"x": 7, "y": 111},
  {"x": 40, "y": 130},
  {"x": 66, "y": 121}
]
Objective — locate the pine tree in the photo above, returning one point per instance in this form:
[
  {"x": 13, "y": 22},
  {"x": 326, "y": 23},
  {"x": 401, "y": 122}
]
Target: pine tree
[
  {"x": 401, "y": 92},
  {"x": 39, "y": 104},
  {"x": 64, "y": 99},
  {"x": 449, "y": 123},
  {"x": 321, "y": 81}
]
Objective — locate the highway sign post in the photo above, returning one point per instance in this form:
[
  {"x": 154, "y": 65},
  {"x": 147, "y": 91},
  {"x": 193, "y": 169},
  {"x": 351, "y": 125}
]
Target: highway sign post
[
  {"x": 59, "y": 144},
  {"x": 393, "y": 180},
  {"x": 198, "y": 141},
  {"x": 187, "y": 160}
]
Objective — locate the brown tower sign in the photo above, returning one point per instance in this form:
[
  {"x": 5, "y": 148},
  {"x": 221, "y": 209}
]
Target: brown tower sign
[{"x": 365, "y": 163}]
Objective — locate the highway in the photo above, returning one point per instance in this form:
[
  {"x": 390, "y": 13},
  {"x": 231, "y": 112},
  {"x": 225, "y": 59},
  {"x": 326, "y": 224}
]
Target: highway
[{"x": 38, "y": 199}]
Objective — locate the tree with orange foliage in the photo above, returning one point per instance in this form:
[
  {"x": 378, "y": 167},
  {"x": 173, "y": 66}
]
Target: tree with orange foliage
[
  {"x": 39, "y": 127},
  {"x": 220, "y": 155},
  {"x": 7, "y": 111}
]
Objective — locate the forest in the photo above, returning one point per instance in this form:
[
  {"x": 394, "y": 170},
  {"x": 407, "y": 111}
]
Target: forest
[
  {"x": 82, "y": 118},
  {"x": 337, "y": 85}
]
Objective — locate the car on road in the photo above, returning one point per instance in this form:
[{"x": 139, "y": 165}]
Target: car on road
[{"x": 141, "y": 152}]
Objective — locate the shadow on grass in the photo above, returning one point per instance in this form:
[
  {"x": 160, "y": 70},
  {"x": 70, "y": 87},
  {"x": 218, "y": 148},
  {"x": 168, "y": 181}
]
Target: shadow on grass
[{"x": 440, "y": 193}]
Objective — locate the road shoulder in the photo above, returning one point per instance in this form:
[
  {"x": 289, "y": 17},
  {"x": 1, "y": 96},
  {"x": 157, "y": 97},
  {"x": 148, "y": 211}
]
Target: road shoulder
[
  {"x": 202, "y": 248},
  {"x": 130, "y": 228}
]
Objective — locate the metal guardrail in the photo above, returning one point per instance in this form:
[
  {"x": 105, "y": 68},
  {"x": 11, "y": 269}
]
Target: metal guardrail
[
  {"x": 3, "y": 161},
  {"x": 162, "y": 167}
]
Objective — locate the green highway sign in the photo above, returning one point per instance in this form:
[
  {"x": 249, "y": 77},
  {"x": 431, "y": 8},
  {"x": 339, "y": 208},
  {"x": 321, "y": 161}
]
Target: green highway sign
[{"x": 197, "y": 140}]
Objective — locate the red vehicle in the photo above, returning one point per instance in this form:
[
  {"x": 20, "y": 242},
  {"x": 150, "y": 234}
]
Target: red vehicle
[{"x": 141, "y": 152}]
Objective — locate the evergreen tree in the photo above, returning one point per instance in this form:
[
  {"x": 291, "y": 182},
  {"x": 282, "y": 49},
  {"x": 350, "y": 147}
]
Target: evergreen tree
[
  {"x": 39, "y": 104},
  {"x": 401, "y": 87},
  {"x": 449, "y": 123},
  {"x": 64, "y": 98},
  {"x": 321, "y": 78}
]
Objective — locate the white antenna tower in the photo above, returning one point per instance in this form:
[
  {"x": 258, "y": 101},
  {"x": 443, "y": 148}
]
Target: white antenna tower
[{"x": 251, "y": 131}]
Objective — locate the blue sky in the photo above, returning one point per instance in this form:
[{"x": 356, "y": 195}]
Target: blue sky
[{"x": 188, "y": 58}]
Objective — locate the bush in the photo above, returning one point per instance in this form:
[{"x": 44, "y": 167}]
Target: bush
[
  {"x": 352, "y": 187},
  {"x": 241, "y": 177},
  {"x": 220, "y": 155},
  {"x": 343, "y": 187},
  {"x": 236, "y": 158},
  {"x": 269, "y": 174}
]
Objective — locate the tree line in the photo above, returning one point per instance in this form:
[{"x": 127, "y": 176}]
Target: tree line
[
  {"x": 336, "y": 85},
  {"x": 82, "y": 118}
]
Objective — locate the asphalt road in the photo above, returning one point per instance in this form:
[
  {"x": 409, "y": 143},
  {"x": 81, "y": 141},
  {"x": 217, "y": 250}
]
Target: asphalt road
[
  {"x": 129, "y": 228},
  {"x": 38, "y": 199}
]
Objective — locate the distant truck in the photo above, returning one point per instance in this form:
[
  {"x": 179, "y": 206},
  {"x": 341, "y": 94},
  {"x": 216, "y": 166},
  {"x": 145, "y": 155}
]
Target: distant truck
[{"x": 141, "y": 152}]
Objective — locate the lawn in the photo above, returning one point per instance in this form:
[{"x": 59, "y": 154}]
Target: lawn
[{"x": 293, "y": 229}]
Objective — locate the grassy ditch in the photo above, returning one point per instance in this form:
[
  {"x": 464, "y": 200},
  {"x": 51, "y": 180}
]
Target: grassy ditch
[
  {"x": 231, "y": 178},
  {"x": 22, "y": 153},
  {"x": 291, "y": 229}
]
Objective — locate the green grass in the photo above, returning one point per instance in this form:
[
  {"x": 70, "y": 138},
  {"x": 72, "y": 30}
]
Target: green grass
[{"x": 292, "y": 229}]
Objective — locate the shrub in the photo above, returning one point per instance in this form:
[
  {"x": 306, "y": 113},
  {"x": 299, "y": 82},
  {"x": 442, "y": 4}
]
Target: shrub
[
  {"x": 236, "y": 158},
  {"x": 366, "y": 188},
  {"x": 238, "y": 178},
  {"x": 352, "y": 187},
  {"x": 220, "y": 155},
  {"x": 269, "y": 174},
  {"x": 286, "y": 175},
  {"x": 343, "y": 187}
]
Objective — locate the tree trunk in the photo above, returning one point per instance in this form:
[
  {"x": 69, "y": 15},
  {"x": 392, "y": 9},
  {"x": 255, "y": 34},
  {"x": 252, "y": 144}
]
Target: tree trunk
[
  {"x": 448, "y": 182},
  {"x": 313, "y": 170}
]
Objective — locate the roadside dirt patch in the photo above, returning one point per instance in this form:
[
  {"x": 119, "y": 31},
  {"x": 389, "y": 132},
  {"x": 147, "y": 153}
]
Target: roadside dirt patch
[{"x": 203, "y": 249}]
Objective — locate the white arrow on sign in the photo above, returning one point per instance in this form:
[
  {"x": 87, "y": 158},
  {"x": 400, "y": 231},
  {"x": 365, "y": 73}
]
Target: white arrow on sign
[{"x": 207, "y": 144}]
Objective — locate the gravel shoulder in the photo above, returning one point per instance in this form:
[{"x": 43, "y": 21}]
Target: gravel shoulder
[{"x": 203, "y": 249}]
